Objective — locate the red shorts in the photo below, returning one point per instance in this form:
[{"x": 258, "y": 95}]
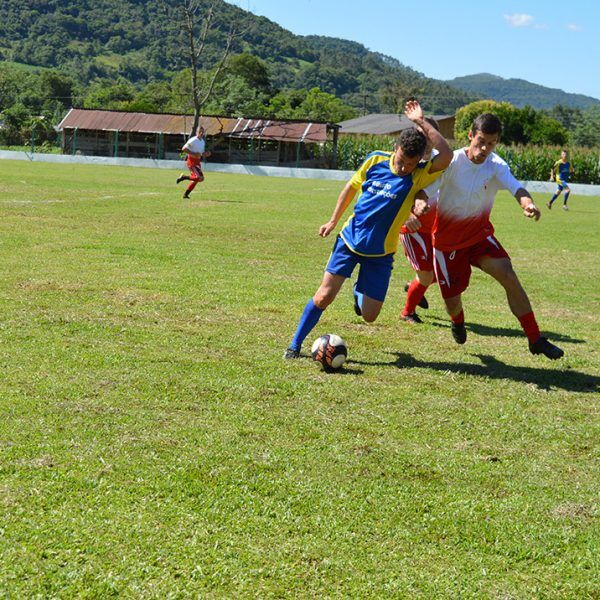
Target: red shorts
[
  {"x": 453, "y": 268},
  {"x": 418, "y": 250},
  {"x": 194, "y": 165}
]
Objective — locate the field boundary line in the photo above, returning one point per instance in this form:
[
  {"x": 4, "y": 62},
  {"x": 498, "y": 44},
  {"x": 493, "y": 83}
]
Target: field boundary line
[{"x": 257, "y": 170}]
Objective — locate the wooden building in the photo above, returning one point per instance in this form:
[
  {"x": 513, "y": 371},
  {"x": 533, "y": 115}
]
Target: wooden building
[{"x": 230, "y": 139}]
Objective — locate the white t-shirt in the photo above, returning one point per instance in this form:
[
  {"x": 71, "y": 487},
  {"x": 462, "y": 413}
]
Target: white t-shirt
[
  {"x": 466, "y": 197},
  {"x": 195, "y": 145}
]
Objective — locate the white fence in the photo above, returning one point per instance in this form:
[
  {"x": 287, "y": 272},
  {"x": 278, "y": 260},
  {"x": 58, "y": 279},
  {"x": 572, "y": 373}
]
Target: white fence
[{"x": 532, "y": 186}]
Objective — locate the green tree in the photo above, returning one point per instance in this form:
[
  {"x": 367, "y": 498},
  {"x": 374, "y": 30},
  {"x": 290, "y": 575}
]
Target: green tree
[
  {"x": 510, "y": 116},
  {"x": 108, "y": 95},
  {"x": 252, "y": 70},
  {"x": 321, "y": 106}
]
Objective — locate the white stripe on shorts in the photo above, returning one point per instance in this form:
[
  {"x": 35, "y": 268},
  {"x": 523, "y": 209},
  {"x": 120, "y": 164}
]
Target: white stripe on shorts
[{"x": 440, "y": 265}]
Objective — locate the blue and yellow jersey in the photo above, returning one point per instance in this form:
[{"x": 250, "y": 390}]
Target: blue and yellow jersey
[
  {"x": 562, "y": 170},
  {"x": 383, "y": 205}
]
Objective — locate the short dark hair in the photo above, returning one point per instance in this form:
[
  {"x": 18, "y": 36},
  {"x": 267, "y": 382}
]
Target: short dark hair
[
  {"x": 412, "y": 142},
  {"x": 487, "y": 123}
]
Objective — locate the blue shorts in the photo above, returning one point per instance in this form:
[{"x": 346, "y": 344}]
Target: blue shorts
[
  {"x": 375, "y": 271},
  {"x": 561, "y": 183}
]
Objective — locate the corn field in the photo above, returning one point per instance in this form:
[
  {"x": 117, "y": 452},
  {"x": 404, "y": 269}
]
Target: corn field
[{"x": 528, "y": 163}]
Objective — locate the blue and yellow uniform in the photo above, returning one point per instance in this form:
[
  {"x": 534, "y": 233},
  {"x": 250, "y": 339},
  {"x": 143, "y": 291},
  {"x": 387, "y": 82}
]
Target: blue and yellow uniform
[
  {"x": 370, "y": 236},
  {"x": 384, "y": 204},
  {"x": 562, "y": 172}
]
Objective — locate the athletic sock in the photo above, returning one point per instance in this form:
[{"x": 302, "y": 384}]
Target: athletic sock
[
  {"x": 359, "y": 298},
  {"x": 530, "y": 327},
  {"x": 310, "y": 317},
  {"x": 553, "y": 198},
  {"x": 566, "y": 197},
  {"x": 459, "y": 318},
  {"x": 415, "y": 293}
]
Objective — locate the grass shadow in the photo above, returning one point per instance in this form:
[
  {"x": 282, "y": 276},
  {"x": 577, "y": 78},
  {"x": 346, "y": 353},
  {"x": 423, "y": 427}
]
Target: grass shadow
[
  {"x": 492, "y": 368},
  {"x": 344, "y": 370},
  {"x": 486, "y": 330}
]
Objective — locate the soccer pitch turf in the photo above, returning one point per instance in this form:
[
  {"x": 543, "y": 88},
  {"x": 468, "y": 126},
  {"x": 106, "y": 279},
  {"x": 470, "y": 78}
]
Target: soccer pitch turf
[{"x": 154, "y": 443}]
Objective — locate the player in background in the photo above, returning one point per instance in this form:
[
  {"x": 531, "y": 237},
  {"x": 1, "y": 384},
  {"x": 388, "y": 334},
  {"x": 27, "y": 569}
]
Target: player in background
[
  {"x": 195, "y": 148},
  {"x": 560, "y": 172},
  {"x": 415, "y": 237},
  {"x": 388, "y": 182},
  {"x": 463, "y": 235}
]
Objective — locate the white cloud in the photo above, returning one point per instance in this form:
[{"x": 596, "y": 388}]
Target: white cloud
[
  {"x": 519, "y": 20},
  {"x": 573, "y": 27}
]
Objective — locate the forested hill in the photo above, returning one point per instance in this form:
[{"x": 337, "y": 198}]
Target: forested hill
[
  {"x": 139, "y": 41},
  {"x": 520, "y": 92}
]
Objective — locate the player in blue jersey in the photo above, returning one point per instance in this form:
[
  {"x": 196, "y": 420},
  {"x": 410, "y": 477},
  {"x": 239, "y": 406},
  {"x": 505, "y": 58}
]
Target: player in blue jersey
[
  {"x": 560, "y": 172},
  {"x": 388, "y": 182}
]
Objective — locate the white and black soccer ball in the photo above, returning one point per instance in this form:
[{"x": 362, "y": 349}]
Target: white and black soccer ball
[{"x": 330, "y": 350}]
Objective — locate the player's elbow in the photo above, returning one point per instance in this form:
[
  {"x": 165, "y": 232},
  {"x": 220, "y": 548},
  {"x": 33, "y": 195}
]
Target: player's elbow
[{"x": 444, "y": 158}]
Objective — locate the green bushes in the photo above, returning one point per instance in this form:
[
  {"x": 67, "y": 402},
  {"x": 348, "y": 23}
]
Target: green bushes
[
  {"x": 533, "y": 163},
  {"x": 528, "y": 163}
]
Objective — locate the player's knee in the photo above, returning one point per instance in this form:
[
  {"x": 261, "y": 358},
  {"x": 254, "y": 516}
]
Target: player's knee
[
  {"x": 453, "y": 305},
  {"x": 370, "y": 315},
  {"x": 425, "y": 278},
  {"x": 324, "y": 297},
  {"x": 508, "y": 278}
]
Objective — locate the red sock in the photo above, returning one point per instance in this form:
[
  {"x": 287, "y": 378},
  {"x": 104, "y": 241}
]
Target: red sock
[
  {"x": 459, "y": 318},
  {"x": 416, "y": 291},
  {"x": 530, "y": 327}
]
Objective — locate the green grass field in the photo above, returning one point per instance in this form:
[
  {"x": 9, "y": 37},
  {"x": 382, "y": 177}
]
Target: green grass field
[{"x": 154, "y": 443}]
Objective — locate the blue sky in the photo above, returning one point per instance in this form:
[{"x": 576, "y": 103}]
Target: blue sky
[{"x": 556, "y": 44}]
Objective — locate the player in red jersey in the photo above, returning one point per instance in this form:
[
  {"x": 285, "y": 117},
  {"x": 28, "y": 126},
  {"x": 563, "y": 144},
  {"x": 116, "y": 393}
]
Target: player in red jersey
[
  {"x": 195, "y": 148},
  {"x": 463, "y": 235},
  {"x": 415, "y": 237}
]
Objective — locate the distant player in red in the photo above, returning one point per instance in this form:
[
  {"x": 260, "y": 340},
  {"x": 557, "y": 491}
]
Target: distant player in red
[
  {"x": 195, "y": 148},
  {"x": 415, "y": 237},
  {"x": 463, "y": 235}
]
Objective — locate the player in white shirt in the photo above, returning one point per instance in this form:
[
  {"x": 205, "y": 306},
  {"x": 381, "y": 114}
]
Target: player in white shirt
[
  {"x": 195, "y": 148},
  {"x": 463, "y": 235}
]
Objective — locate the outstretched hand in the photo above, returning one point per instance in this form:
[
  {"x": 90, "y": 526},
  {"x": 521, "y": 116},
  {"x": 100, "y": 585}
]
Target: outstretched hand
[
  {"x": 531, "y": 211},
  {"x": 326, "y": 229},
  {"x": 413, "y": 111}
]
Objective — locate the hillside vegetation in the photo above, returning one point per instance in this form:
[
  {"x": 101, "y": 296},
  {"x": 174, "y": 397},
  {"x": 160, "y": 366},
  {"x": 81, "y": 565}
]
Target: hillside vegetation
[
  {"x": 141, "y": 43},
  {"x": 520, "y": 92}
]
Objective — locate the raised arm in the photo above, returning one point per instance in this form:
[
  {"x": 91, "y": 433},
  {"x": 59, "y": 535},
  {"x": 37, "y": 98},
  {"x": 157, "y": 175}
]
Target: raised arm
[
  {"x": 414, "y": 112},
  {"x": 344, "y": 199}
]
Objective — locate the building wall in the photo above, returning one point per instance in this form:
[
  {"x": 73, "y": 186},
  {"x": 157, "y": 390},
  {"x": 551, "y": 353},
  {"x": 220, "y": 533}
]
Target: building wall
[{"x": 166, "y": 146}]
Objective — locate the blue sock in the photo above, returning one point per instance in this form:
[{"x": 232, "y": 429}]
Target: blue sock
[
  {"x": 566, "y": 197},
  {"x": 359, "y": 297},
  {"x": 310, "y": 317},
  {"x": 553, "y": 198}
]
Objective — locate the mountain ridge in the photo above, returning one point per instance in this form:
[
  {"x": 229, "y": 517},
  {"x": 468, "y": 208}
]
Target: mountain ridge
[{"x": 520, "y": 92}]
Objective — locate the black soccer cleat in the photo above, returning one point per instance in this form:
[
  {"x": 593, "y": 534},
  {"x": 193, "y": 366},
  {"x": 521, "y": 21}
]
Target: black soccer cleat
[
  {"x": 549, "y": 205},
  {"x": 181, "y": 178},
  {"x": 412, "y": 318},
  {"x": 548, "y": 349},
  {"x": 357, "y": 309},
  {"x": 291, "y": 353},
  {"x": 186, "y": 196},
  {"x": 422, "y": 302},
  {"x": 459, "y": 333}
]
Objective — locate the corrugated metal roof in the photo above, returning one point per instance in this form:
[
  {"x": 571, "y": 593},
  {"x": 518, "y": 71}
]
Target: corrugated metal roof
[
  {"x": 381, "y": 124},
  {"x": 106, "y": 120}
]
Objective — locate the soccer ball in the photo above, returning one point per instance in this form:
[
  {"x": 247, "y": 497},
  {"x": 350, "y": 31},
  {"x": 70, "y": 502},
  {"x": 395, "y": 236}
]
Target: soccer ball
[{"x": 330, "y": 350}]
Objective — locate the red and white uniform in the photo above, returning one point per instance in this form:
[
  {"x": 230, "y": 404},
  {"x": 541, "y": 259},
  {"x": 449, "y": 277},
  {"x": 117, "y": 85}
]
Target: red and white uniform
[
  {"x": 417, "y": 244},
  {"x": 462, "y": 232},
  {"x": 194, "y": 164}
]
